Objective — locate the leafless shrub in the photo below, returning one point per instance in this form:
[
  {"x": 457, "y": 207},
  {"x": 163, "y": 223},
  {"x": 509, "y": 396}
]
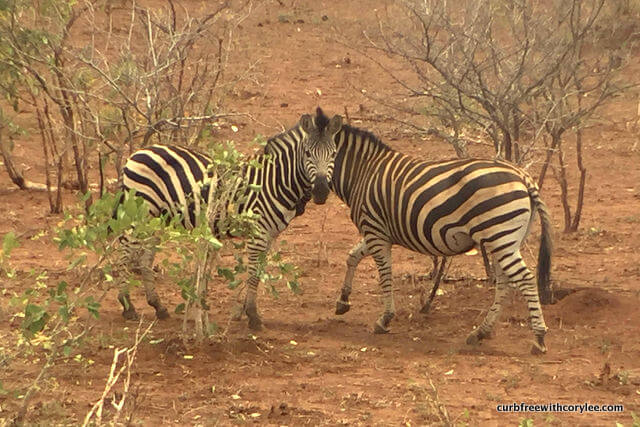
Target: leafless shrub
[
  {"x": 507, "y": 72},
  {"x": 99, "y": 91}
]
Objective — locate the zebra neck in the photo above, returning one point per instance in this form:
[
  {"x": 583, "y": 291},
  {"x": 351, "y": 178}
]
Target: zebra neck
[
  {"x": 278, "y": 176},
  {"x": 357, "y": 160}
]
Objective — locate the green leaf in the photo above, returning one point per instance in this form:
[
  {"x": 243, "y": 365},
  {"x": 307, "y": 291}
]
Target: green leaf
[
  {"x": 85, "y": 197},
  {"x": 79, "y": 260},
  {"x": 64, "y": 313},
  {"x": 226, "y": 273},
  {"x": 93, "y": 307},
  {"x": 62, "y": 287},
  {"x": 180, "y": 308},
  {"x": 274, "y": 292},
  {"x": 9, "y": 243},
  {"x": 234, "y": 284},
  {"x": 293, "y": 286},
  {"x": 215, "y": 243},
  {"x": 35, "y": 318}
]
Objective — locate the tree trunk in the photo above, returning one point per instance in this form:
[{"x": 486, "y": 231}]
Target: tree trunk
[
  {"x": 564, "y": 190},
  {"x": 555, "y": 139},
  {"x": 508, "y": 154},
  {"x": 16, "y": 177},
  {"x": 583, "y": 179}
]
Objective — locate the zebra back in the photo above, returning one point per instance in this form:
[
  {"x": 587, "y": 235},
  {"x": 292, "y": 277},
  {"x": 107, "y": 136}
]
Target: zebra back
[
  {"x": 170, "y": 179},
  {"x": 436, "y": 207}
]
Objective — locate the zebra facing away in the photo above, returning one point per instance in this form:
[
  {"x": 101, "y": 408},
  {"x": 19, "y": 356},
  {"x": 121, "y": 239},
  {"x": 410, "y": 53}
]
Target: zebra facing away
[
  {"x": 438, "y": 208},
  {"x": 295, "y": 165}
]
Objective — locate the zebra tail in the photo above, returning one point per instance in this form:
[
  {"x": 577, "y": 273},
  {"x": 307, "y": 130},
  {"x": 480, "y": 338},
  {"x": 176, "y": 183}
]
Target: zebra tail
[{"x": 544, "y": 256}]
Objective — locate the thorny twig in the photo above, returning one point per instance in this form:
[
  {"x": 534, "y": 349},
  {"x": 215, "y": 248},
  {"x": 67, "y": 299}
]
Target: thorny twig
[{"x": 118, "y": 402}]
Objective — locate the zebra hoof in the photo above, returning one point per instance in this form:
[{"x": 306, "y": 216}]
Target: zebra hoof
[
  {"x": 425, "y": 308},
  {"x": 130, "y": 315},
  {"x": 473, "y": 339},
  {"x": 342, "y": 307},
  {"x": 476, "y": 336},
  {"x": 162, "y": 314},
  {"x": 378, "y": 328},
  {"x": 255, "y": 324},
  {"x": 538, "y": 348}
]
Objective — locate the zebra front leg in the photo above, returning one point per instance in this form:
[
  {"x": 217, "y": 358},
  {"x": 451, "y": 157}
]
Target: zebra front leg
[
  {"x": 356, "y": 254},
  {"x": 381, "y": 252},
  {"x": 250, "y": 305},
  {"x": 256, "y": 254}
]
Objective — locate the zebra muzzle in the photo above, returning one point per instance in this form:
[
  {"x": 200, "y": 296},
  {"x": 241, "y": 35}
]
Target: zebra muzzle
[{"x": 320, "y": 190}]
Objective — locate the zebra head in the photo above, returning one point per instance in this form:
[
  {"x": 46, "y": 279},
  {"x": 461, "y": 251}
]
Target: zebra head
[{"x": 319, "y": 151}]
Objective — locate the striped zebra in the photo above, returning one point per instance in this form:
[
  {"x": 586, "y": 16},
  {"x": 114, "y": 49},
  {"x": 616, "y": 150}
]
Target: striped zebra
[
  {"x": 294, "y": 166},
  {"x": 442, "y": 209}
]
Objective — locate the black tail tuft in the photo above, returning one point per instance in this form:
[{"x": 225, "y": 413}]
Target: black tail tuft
[{"x": 545, "y": 290}]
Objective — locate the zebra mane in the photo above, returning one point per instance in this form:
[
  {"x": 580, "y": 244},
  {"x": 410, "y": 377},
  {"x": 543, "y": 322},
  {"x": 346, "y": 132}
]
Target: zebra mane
[
  {"x": 322, "y": 121},
  {"x": 272, "y": 142}
]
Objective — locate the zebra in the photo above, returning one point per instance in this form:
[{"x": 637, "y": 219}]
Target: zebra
[
  {"x": 295, "y": 166},
  {"x": 440, "y": 208}
]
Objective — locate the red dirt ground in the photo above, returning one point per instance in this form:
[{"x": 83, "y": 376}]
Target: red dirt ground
[{"x": 310, "y": 366}]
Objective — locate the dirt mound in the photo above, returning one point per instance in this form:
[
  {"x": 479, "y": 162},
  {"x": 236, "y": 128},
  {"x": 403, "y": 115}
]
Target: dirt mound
[{"x": 586, "y": 306}]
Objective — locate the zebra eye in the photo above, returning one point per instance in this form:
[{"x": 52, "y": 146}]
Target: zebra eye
[{"x": 307, "y": 152}]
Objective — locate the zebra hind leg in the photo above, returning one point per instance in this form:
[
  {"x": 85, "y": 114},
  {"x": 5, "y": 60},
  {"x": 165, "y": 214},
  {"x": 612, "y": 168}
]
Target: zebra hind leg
[
  {"x": 152, "y": 296},
  {"x": 513, "y": 268},
  {"x": 128, "y": 310},
  {"x": 148, "y": 278},
  {"x": 355, "y": 256},
  {"x": 485, "y": 329},
  {"x": 238, "y": 310},
  {"x": 121, "y": 272},
  {"x": 529, "y": 291},
  {"x": 520, "y": 276},
  {"x": 144, "y": 267}
]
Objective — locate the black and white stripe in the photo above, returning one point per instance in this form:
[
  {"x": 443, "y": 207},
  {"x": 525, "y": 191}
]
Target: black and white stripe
[
  {"x": 295, "y": 166},
  {"x": 442, "y": 209}
]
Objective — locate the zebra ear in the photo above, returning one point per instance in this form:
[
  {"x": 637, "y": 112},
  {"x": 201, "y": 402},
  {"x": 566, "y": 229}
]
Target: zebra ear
[
  {"x": 306, "y": 122},
  {"x": 335, "y": 124}
]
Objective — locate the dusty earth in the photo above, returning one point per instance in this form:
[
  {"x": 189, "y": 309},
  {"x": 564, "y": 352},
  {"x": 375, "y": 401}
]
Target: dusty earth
[{"x": 309, "y": 366}]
